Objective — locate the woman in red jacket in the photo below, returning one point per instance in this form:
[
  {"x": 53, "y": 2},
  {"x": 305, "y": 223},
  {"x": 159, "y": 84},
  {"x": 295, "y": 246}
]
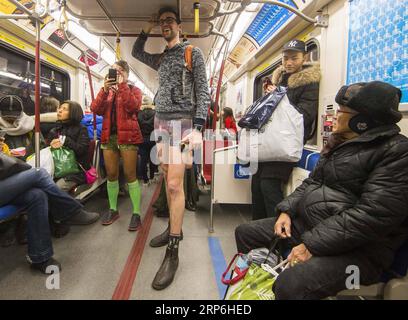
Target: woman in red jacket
[
  {"x": 229, "y": 121},
  {"x": 118, "y": 103}
]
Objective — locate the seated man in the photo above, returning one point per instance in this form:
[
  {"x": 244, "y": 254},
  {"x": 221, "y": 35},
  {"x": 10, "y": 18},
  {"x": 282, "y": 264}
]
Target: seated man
[
  {"x": 35, "y": 191},
  {"x": 352, "y": 210},
  {"x": 18, "y": 127}
]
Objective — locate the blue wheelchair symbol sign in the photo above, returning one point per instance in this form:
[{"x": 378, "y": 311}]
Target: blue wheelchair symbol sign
[{"x": 241, "y": 172}]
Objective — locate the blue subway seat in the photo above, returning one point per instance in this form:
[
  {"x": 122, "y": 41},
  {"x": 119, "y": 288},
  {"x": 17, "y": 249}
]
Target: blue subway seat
[
  {"x": 309, "y": 160},
  {"x": 7, "y": 212}
]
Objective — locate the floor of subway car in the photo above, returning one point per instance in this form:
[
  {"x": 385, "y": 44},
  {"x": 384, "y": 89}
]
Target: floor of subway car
[{"x": 105, "y": 262}]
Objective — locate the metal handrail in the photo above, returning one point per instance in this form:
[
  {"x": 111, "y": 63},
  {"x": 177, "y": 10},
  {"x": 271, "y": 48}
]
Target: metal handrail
[{"x": 316, "y": 21}]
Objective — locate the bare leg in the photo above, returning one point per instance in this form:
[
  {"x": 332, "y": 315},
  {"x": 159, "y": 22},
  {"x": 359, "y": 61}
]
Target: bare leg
[
  {"x": 175, "y": 190},
  {"x": 111, "y": 158},
  {"x": 129, "y": 164}
]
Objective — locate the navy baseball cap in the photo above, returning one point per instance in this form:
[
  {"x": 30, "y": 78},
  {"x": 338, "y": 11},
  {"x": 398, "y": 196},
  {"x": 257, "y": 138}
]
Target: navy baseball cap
[{"x": 295, "y": 45}]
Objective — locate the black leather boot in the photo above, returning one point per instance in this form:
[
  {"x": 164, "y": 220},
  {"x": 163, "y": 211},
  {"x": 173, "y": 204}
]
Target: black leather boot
[
  {"x": 164, "y": 277},
  {"x": 163, "y": 238}
]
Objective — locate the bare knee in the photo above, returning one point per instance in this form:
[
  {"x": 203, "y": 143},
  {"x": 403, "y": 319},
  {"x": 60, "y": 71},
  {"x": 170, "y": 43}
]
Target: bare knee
[
  {"x": 174, "y": 188},
  {"x": 130, "y": 177}
]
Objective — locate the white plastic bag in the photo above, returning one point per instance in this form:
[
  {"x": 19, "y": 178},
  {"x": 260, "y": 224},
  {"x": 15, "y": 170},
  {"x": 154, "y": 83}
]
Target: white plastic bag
[
  {"x": 280, "y": 139},
  {"x": 46, "y": 160}
]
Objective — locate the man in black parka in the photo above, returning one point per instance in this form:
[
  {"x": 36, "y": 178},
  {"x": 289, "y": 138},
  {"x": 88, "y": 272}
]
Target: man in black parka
[{"x": 352, "y": 210}]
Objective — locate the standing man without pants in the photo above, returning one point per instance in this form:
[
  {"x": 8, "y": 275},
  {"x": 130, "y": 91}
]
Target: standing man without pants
[
  {"x": 302, "y": 82},
  {"x": 181, "y": 110}
]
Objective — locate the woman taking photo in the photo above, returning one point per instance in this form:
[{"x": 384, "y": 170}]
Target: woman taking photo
[
  {"x": 70, "y": 133},
  {"x": 118, "y": 103}
]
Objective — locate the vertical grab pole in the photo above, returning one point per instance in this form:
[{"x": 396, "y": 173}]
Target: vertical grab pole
[
  {"x": 214, "y": 124},
  {"x": 88, "y": 71},
  {"x": 217, "y": 94},
  {"x": 37, "y": 92}
]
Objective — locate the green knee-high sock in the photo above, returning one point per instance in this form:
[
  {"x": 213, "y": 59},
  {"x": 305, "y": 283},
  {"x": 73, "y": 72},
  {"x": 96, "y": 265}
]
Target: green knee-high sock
[
  {"x": 113, "y": 192},
  {"x": 135, "y": 195}
]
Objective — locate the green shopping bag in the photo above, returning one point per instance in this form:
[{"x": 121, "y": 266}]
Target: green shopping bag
[
  {"x": 257, "y": 285},
  {"x": 258, "y": 282},
  {"x": 64, "y": 162}
]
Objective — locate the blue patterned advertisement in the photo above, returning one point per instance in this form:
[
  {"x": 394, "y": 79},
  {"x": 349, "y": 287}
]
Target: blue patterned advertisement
[
  {"x": 378, "y": 43},
  {"x": 268, "y": 21}
]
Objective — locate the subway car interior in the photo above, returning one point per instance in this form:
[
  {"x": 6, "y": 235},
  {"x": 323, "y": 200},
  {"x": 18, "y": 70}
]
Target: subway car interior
[{"x": 68, "y": 50}]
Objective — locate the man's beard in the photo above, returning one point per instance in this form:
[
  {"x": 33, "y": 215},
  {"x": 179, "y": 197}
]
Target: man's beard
[{"x": 171, "y": 36}]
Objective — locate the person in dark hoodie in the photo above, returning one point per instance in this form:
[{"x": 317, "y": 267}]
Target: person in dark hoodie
[
  {"x": 302, "y": 82},
  {"x": 352, "y": 210},
  {"x": 146, "y": 123},
  {"x": 71, "y": 134}
]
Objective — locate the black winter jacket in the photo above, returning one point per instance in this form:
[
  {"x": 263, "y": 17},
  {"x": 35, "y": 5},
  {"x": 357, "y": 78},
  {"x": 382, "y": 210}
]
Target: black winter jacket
[
  {"x": 356, "y": 198},
  {"x": 77, "y": 139},
  {"x": 303, "y": 94},
  {"x": 146, "y": 122}
]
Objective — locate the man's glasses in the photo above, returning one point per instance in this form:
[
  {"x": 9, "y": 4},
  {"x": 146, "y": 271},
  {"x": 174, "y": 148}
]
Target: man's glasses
[{"x": 168, "y": 20}]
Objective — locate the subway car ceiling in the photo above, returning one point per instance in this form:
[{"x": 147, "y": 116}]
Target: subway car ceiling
[{"x": 94, "y": 25}]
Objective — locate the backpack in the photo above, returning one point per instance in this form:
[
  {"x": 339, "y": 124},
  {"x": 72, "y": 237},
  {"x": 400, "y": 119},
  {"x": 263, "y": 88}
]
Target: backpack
[
  {"x": 188, "y": 57},
  {"x": 188, "y": 63}
]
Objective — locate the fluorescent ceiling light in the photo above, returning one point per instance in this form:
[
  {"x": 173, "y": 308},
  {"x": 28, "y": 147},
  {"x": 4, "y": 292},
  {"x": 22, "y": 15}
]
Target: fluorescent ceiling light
[
  {"x": 90, "y": 40},
  {"x": 10, "y": 75},
  {"x": 108, "y": 55}
]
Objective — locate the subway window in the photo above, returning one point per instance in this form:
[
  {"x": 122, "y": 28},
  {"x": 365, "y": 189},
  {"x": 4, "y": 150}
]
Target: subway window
[{"x": 17, "y": 77}]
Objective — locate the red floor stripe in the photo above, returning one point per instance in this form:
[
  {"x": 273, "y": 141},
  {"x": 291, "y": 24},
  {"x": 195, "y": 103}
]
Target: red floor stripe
[{"x": 128, "y": 276}]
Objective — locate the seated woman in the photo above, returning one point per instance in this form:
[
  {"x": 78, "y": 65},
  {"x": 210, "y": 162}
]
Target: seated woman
[
  {"x": 17, "y": 127},
  {"x": 34, "y": 191},
  {"x": 352, "y": 210},
  {"x": 71, "y": 134}
]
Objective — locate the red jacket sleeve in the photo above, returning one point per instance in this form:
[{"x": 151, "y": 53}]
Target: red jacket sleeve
[
  {"x": 230, "y": 124},
  {"x": 98, "y": 106},
  {"x": 129, "y": 97}
]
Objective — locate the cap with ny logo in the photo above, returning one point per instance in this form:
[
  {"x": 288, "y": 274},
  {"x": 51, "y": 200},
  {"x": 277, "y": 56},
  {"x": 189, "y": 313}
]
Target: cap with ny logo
[{"x": 295, "y": 45}]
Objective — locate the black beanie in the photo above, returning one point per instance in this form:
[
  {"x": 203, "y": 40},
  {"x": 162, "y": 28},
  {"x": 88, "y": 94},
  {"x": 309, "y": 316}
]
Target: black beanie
[
  {"x": 376, "y": 99},
  {"x": 11, "y": 106}
]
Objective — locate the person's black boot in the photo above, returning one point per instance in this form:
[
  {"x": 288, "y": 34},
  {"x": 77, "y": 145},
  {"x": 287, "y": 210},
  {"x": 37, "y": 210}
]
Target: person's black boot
[
  {"x": 164, "y": 277},
  {"x": 44, "y": 265},
  {"x": 163, "y": 238}
]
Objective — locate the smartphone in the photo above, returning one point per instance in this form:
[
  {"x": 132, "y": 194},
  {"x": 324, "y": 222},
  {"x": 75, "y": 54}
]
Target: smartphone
[{"x": 113, "y": 74}]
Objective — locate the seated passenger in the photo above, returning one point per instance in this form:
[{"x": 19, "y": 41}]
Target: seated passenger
[
  {"x": 18, "y": 127},
  {"x": 71, "y": 134},
  {"x": 352, "y": 210},
  {"x": 34, "y": 191},
  {"x": 48, "y": 114}
]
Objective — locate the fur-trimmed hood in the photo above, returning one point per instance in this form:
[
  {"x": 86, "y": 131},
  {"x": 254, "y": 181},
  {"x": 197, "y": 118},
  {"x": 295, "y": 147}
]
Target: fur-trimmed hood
[{"x": 308, "y": 75}]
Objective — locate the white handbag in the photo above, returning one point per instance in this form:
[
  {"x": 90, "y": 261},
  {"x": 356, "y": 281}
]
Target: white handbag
[
  {"x": 46, "y": 160},
  {"x": 280, "y": 139}
]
